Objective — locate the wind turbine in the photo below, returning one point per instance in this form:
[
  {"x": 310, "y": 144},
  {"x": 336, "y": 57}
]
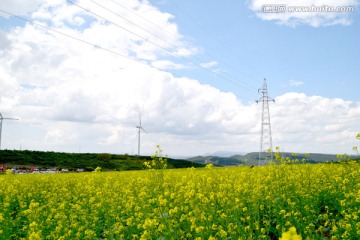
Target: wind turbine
[
  {"x": 139, "y": 131},
  {"x": 1, "y": 120}
]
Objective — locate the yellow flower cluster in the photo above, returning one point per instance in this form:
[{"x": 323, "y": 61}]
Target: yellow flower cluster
[
  {"x": 322, "y": 201},
  {"x": 290, "y": 235}
]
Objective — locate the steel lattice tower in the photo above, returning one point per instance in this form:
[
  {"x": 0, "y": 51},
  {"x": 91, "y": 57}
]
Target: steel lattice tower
[{"x": 265, "y": 137}]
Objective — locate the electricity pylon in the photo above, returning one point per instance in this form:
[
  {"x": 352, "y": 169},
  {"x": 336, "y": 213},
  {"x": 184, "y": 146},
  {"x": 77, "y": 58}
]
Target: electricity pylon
[
  {"x": 1, "y": 121},
  {"x": 265, "y": 136}
]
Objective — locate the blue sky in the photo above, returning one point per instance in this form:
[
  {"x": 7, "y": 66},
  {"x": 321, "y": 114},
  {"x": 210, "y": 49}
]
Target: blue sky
[
  {"x": 71, "y": 96},
  {"x": 323, "y": 58}
]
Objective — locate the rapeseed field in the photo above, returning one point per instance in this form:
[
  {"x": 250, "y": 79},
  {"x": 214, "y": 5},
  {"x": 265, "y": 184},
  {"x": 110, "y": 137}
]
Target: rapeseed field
[{"x": 287, "y": 201}]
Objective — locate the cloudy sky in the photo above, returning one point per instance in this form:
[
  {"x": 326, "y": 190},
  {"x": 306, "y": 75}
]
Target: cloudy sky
[{"x": 77, "y": 73}]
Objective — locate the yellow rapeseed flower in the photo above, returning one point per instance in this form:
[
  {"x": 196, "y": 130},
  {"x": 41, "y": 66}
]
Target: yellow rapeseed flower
[
  {"x": 35, "y": 236},
  {"x": 290, "y": 235}
]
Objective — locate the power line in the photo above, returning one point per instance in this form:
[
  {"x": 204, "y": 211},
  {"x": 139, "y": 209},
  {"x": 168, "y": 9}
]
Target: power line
[
  {"x": 137, "y": 25},
  {"x": 106, "y": 49},
  {"x": 210, "y": 55},
  {"x": 217, "y": 40},
  {"x": 146, "y": 20},
  {"x": 166, "y": 50},
  {"x": 77, "y": 39},
  {"x": 85, "y": 42},
  {"x": 143, "y": 38}
]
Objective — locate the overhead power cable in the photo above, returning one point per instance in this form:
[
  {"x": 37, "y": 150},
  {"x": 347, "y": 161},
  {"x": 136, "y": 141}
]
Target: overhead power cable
[
  {"x": 218, "y": 41},
  {"x": 210, "y": 55},
  {"x": 88, "y": 43},
  {"x": 169, "y": 33},
  {"x": 146, "y": 20},
  {"x": 79, "y": 39},
  {"x": 159, "y": 46},
  {"x": 127, "y": 20}
]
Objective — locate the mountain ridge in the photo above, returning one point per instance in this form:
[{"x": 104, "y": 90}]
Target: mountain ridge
[{"x": 252, "y": 158}]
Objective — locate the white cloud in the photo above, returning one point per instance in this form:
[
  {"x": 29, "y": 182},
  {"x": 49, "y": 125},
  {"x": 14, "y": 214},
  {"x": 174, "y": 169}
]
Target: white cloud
[
  {"x": 295, "y": 83},
  {"x": 315, "y": 123},
  {"x": 167, "y": 65},
  {"x": 4, "y": 42},
  {"x": 19, "y": 7},
  {"x": 8, "y": 89},
  {"x": 209, "y": 64},
  {"x": 305, "y": 12},
  {"x": 69, "y": 95}
]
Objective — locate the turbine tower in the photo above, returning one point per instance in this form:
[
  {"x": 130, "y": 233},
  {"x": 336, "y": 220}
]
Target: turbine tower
[
  {"x": 139, "y": 132},
  {"x": 1, "y": 121},
  {"x": 265, "y": 136}
]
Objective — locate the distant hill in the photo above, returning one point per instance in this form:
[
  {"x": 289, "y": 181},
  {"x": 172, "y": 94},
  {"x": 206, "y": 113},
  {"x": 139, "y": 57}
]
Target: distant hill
[
  {"x": 217, "y": 161},
  {"x": 89, "y": 161},
  {"x": 225, "y": 153},
  {"x": 86, "y": 161},
  {"x": 253, "y": 159}
]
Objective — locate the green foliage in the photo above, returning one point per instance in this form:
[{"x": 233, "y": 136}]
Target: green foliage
[
  {"x": 292, "y": 159},
  {"x": 89, "y": 169},
  {"x": 106, "y": 157},
  {"x": 250, "y": 159},
  {"x": 355, "y": 148},
  {"x": 87, "y": 161},
  {"x": 157, "y": 160},
  {"x": 209, "y": 166},
  {"x": 220, "y": 161},
  {"x": 347, "y": 158}
]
